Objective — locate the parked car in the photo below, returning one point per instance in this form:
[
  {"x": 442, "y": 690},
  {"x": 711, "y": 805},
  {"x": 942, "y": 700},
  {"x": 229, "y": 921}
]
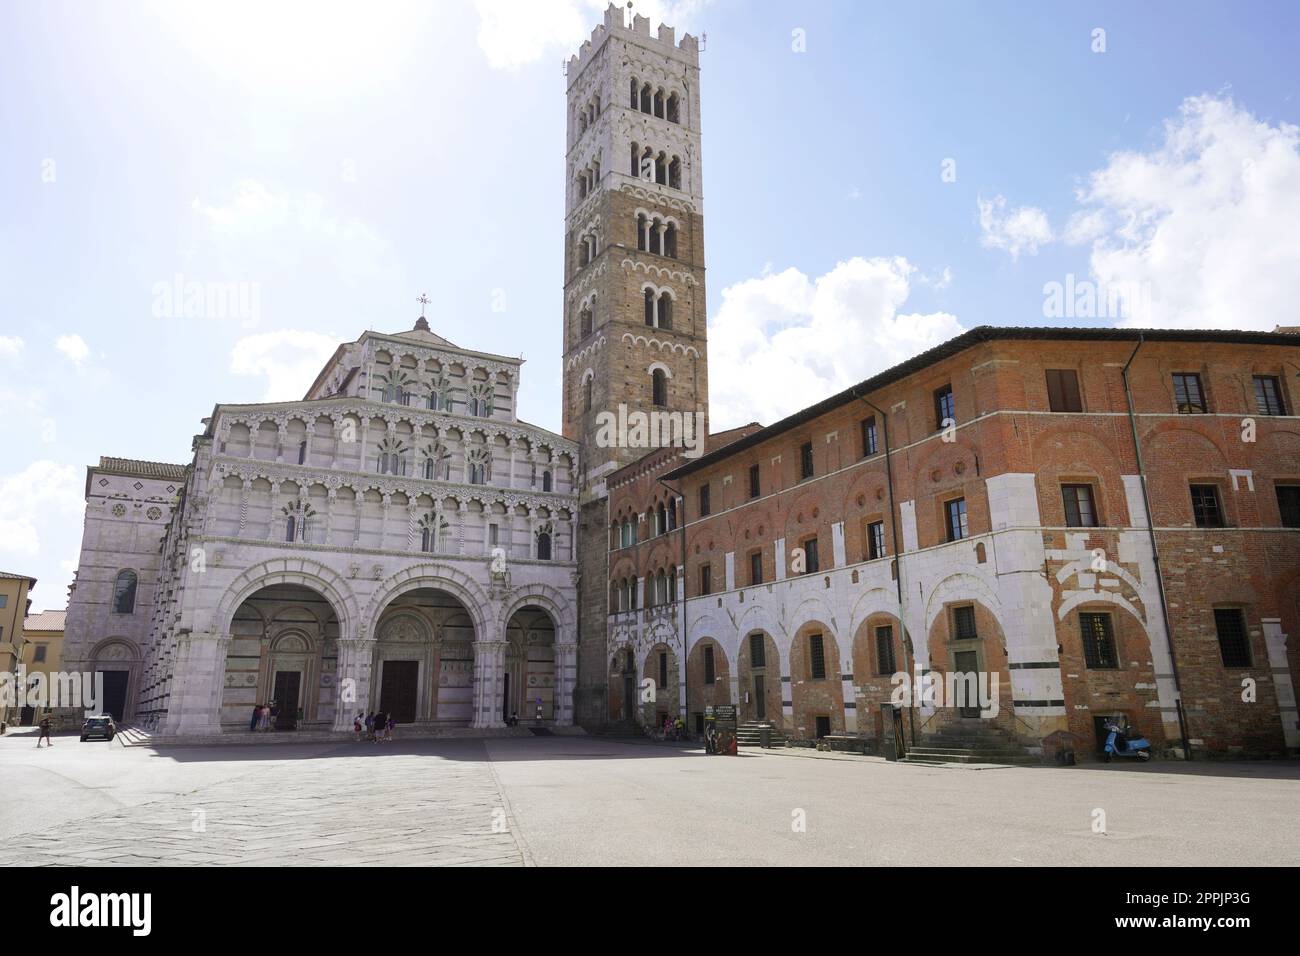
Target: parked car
[{"x": 100, "y": 726}]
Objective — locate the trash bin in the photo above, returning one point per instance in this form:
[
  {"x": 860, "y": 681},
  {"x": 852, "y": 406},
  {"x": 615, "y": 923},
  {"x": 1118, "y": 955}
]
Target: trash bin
[{"x": 765, "y": 737}]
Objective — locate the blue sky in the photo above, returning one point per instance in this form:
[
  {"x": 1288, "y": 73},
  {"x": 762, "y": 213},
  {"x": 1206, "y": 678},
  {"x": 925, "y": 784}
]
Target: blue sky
[{"x": 337, "y": 160}]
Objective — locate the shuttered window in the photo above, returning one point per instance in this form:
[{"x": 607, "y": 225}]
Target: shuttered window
[{"x": 1063, "y": 390}]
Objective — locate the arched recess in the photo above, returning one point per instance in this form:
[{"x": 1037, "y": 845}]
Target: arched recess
[
  {"x": 118, "y": 660},
  {"x": 817, "y": 693},
  {"x": 530, "y": 688},
  {"x": 706, "y": 685},
  {"x": 295, "y": 570},
  {"x": 758, "y": 666},
  {"x": 661, "y": 665},
  {"x": 878, "y": 654},
  {"x": 622, "y": 684},
  {"x": 439, "y": 576}
]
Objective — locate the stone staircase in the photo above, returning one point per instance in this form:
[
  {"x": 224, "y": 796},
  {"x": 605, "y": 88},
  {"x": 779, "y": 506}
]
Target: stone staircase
[
  {"x": 129, "y": 735},
  {"x": 748, "y": 734},
  {"x": 968, "y": 740}
]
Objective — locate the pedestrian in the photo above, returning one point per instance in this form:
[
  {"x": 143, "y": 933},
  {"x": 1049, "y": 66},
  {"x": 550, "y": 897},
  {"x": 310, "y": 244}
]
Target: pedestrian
[
  {"x": 357, "y": 725},
  {"x": 264, "y": 721},
  {"x": 388, "y": 728},
  {"x": 45, "y": 732},
  {"x": 381, "y": 720},
  {"x": 275, "y": 713},
  {"x": 370, "y": 726},
  {"x": 252, "y": 723}
]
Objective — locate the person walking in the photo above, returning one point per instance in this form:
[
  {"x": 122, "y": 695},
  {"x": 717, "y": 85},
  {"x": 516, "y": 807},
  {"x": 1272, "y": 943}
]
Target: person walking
[
  {"x": 381, "y": 720},
  {"x": 264, "y": 721},
  {"x": 357, "y": 726},
  {"x": 257, "y": 713},
  {"x": 370, "y": 726},
  {"x": 388, "y": 728},
  {"x": 275, "y": 713},
  {"x": 45, "y": 732}
]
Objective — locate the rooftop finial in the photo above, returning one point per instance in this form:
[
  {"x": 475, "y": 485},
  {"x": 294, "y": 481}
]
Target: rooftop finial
[{"x": 422, "y": 324}]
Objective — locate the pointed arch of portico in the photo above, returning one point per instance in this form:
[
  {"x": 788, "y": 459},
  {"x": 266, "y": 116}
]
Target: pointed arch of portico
[
  {"x": 295, "y": 570},
  {"x": 758, "y": 618},
  {"x": 873, "y": 602},
  {"x": 963, "y": 586},
  {"x": 809, "y": 611},
  {"x": 438, "y": 576}
]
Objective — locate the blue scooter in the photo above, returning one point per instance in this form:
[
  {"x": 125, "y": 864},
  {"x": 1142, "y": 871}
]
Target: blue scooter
[{"x": 1123, "y": 742}]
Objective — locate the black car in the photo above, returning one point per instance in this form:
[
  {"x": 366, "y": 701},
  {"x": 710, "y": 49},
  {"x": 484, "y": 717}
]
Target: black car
[{"x": 101, "y": 726}]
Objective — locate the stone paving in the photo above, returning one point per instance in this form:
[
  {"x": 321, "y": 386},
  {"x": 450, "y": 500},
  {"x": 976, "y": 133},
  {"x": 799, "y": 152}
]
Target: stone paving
[{"x": 355, "y": 804}]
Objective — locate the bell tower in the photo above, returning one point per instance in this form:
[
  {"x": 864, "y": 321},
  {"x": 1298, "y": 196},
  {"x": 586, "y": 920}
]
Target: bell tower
[{"x": 634, "y": 309}]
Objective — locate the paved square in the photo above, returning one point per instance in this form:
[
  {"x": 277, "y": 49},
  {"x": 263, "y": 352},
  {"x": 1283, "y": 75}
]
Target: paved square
[{"x": 575, "y": 800}]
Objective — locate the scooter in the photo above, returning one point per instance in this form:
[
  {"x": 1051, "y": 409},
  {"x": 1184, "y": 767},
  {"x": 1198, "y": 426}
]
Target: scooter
[{"x": 1121, "y": 743}]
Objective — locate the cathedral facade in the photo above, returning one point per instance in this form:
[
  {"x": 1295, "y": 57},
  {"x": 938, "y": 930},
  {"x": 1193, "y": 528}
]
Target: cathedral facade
[{"x": 397, "y": 540}]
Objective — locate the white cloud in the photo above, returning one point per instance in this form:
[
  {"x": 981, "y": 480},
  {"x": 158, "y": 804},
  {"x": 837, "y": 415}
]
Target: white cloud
[
  {"x": 514, "y": 33},
  {"x": 784, "y": 341},
  {"x": 10, "y": 345},
  {"x": 258, "y": 229},
  {"x": 1202, "y": 229},
  {"x": 38, "y": 495},
  {"x": 1022, "y": 229},
  {"x": 73, "y": 347},
  {"x": 289, "y": 359}
]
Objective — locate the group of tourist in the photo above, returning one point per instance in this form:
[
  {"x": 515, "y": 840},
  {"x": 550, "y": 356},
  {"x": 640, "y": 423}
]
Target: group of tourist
[
  {"x": 375, "y": 726},
  {"x": 264, "y": 717}
]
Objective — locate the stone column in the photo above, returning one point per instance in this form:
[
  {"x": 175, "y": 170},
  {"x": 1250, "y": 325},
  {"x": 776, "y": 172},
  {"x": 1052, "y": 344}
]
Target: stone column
[
  {"x": 489, "y": 668},
  {"x": 1275, "y": 641},
  {"x": 199, "y": 678},
  {"x": 355, "y": 657},
  {"x": 566, "y": 676}
]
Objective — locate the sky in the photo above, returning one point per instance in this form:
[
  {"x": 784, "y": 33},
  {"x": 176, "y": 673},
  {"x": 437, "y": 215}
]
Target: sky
[{"x": 878, "y": 177}]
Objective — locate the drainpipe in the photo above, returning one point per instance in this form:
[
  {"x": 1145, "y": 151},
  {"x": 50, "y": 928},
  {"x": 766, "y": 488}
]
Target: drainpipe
[
  {"x": 681, "y": 526},
  {"x": 898, "y": 555},
  {"x": 1155, "y": 552}
]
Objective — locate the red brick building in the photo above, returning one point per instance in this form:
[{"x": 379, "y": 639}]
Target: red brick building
[{"x": 984, "y": 508}]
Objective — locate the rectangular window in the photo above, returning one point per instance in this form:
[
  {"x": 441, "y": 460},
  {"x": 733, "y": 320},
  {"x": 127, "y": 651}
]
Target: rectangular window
[
  {"x": 4, "y": 600},
  {"x": 945, "y": 406},
  {"x": 704, "y": 501},
  {"x": 663, "y": 669},
  {"x": 1234, "y": 645},
  {"x": 38, "y": 653},
  {"x": 753, "y": 481},
  {"x": 1188, "y": 395},
  {"x": 756, "y": 568},
  {"x": 1098, "y": 642},
  {"x": 493, "y": 532},
  {"x": 757, "y": 651},
  {"x": 805, "y": 460},
  {"x": 1063, "y": 390},
  {"x": 706, "y": 579},
  {"x": 302, "y": 453},
  {"x": 816, "y": 657},
  {"x": 868, "y": 436},
  {"x": 1206, "y": 509},
  {"x": 885, "y": 650},
  {"x": 709, "y": 675},
  {"x": 955, "y": 512},
  {"x": 963, "y": 623},
  {"x": 810, "y": 553},
  {"x": 1288, "y": 504},
  {"x": 875, "y": 540},
  {"x": 1079, "y": 509},
  {"x": 1268, "y": 395}
]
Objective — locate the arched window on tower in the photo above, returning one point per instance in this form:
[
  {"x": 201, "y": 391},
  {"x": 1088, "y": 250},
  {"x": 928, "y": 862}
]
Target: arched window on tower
[
  {"x": 659, "y": 103},
  {"x": 661, "y": 169},
  {"x": 650, "y": 307},
  {"x": 586, "y": 396},
  {"x": 659, "y": 387},
  {"x": 675, "y": 173},
  {"x": 636, "y": 94},
  {"x": 665, "y": 311},
  {"x": 645, "y": 98},
  {"x": 642, "y": 240},
  {"x": 546, "y": 481},
  {"x": 124, "y": 592},
  {"x": 585, "y": 321},
  {"x": 544, "y": 543},
  {"x": 670, "y": 241},
  {"x": 674, "y": 108}
]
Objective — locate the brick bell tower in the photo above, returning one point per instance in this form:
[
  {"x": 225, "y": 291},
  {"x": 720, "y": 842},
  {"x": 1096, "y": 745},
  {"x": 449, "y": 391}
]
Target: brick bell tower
[{"x": 634, "y": 310}]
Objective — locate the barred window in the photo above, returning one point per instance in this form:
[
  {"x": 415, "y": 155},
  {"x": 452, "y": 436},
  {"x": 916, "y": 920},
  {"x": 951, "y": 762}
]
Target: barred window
[
  {"x": 963, "y": 621},
  {"x": 1098, "y": 642},
  {"x": 885, "y": 663},
  {"x": 817, "y": 656},
  {"x": 757, "y": 651},
  {"x": 709, "y": 675},
  {"x": 1234, "y": 646}
]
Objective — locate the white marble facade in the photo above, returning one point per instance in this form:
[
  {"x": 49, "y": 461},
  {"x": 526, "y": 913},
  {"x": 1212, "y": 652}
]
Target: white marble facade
[{"x": 398, "y": 538}]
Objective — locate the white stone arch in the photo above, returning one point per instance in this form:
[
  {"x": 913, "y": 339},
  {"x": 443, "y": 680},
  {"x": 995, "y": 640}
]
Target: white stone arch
[
  {"x": 813, "y": 609},
  {"x": 439, "y": 576},
  {"x": 660, "y": 366},
  {"x": 759, "y": 618},
  {"x": 1106, "y": 597},
  {"x": 289, "y": 570},
  {"x": 551, "y": 601},
  {"x": 877, "y": 600},
  {"x": 961, "y": 586}
]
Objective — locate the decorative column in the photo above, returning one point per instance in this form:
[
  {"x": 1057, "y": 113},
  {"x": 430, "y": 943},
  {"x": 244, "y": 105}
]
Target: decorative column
[
  {"x": 489, "y": 670},
  {"x": 355, "y": 656},
  {"x": 566, "y": 678},
  {"x": 199, "y": 678}
]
